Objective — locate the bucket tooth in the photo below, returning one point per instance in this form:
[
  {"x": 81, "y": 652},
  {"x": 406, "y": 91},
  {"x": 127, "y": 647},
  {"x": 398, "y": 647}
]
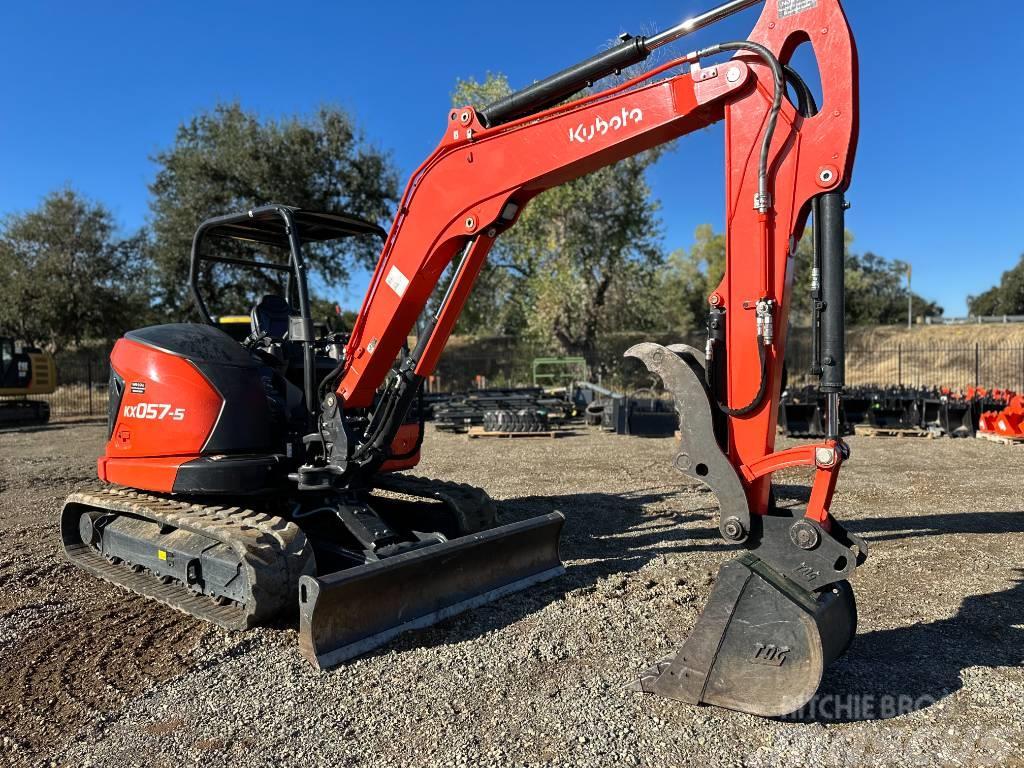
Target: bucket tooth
[
  {"x": 761, "y": 644},
  {"x": 348, "y": 613}
]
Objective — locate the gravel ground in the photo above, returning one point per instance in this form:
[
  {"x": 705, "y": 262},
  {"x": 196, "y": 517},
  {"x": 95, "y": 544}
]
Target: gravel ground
[{"x": 90, "y": 674}]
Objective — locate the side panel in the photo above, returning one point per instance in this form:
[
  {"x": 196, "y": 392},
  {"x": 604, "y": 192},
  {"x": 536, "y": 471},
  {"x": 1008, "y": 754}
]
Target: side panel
[
  {"x": 146, "y": 474},
  {"x": 168, "y": 407},
  {"x": 26, "y": 373},
  {"x": 188, "y": 414}
]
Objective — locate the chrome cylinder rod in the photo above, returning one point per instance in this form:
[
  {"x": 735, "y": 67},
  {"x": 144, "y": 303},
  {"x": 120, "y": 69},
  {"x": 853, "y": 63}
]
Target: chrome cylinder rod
[
  {"x": 631, "y": 50},
  {"x": 705, "y": 19}
]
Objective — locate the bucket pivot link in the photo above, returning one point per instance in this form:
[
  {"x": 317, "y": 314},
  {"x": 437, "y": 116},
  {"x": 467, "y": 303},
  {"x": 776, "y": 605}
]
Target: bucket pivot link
[{"x": 783, "y": 610}]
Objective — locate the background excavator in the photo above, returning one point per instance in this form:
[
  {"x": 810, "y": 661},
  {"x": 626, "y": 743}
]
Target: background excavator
[
  {"x": 241, "y": 479},
  {"x": 24, "y": 371}
]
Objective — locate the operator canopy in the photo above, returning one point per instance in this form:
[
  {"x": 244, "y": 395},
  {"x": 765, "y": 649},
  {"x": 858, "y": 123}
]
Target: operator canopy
[{"x": 266, "y": 225}]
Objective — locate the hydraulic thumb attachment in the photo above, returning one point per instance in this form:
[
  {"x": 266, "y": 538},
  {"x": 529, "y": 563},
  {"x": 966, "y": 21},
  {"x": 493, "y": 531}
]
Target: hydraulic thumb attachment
[{"x": 782, "y": 611}]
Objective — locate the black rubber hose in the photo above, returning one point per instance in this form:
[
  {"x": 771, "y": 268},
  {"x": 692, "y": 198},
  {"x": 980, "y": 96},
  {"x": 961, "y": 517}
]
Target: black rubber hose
[
  {"x": 761, "y": 387},
  {"x": 773, "y": 115},
  {"x": 779, "y": 77},
  {"x": 806, "y": 105}
]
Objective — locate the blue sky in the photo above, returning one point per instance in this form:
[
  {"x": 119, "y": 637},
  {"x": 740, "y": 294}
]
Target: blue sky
[{"x": 93, "y": 89}]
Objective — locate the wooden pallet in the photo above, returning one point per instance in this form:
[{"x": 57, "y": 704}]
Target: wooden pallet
[
  {"x": 475, "y": 432},
  {"x": 999, "y": 439},
  {"x": 866, "y": 430}
]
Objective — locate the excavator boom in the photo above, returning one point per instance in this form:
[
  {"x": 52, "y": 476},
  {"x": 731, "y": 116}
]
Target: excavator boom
[{"x": 784, "y": 161}]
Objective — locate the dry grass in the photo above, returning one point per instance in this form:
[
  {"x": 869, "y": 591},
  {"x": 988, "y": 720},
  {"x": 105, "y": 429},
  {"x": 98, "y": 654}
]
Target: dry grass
[
  {"x": 987, "y": 335},
  {"x": 955, "y": 356}
]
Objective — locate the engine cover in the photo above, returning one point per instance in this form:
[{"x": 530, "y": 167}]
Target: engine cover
[{"x": 186, "y": 401}]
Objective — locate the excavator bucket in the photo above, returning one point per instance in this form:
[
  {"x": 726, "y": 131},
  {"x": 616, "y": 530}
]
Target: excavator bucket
[
  {"x": 780, "y": 612},
  {"x": 761, "y": 644},
  {"x": 348, "y": 613},
  {"x": 801, "y": 420}
]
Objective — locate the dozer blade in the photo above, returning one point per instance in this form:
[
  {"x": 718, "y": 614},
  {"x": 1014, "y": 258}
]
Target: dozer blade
[
  {"x": 345, "y": 614},
  {"x": 761, "y": 644}
]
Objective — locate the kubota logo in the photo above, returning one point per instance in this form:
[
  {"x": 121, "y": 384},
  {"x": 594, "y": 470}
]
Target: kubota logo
[
  {"x": 156, "y": 411},
  {"x": 584, "y": 133}
]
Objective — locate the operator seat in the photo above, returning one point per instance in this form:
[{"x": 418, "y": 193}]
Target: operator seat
[
  {"x": 269, "y": 318},
  {"x": 269, "y": 340}
]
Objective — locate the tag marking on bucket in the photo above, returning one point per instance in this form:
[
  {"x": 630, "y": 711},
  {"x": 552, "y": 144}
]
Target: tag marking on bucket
[
  {"x": 808, "y": 572},
  {"x": 770, "y": 654}
]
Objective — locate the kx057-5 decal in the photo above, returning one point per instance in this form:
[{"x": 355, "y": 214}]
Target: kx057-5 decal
[{"x": 156, "y": 411}]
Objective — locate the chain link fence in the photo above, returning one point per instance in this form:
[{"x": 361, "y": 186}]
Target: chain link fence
[
  {"x": 956, "y": 365},
  {"x": 505, "y": 362}
]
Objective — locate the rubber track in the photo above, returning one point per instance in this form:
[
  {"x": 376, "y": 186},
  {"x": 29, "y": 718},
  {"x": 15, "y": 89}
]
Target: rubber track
[
  {"x": 473, "y": 507},
  {"x": 273, "y": 551}
]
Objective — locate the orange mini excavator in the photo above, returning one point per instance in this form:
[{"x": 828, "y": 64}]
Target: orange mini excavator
[{"x": 245, "y": 479}]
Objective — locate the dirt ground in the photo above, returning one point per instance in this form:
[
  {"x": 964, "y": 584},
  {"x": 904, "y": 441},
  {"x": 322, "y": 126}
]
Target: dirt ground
[{"x": 90, "y": 674}]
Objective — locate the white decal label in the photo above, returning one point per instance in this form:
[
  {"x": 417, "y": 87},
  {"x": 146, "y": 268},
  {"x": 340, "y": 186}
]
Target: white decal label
[
  {"x": 155, "y": 411},
  {"x": 397, "y": 281},
  {"x": 793, "y": 7},
  {"x": 584, "y": 133}
]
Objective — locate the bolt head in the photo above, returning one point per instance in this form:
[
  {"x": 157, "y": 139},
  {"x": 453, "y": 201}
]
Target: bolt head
[
  {"x": 804, "y": 535},
  {"x": 683, "y": 462},
  {"x": 827, "y": 176},
  {"x": 733, "y": 74},
  {"x": 733, "y": 529},
  {"x": 824, "y": 457},
  {"x": 470, "y": 223}
]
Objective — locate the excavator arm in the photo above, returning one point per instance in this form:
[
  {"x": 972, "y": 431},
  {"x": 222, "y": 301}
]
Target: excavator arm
[
  {"x": 785, "y": 159},
  {"x": 781, "y": 161}
]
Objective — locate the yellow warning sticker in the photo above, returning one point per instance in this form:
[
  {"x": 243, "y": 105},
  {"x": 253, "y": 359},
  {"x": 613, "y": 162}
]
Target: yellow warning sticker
[{"x": 162, "y": 554}]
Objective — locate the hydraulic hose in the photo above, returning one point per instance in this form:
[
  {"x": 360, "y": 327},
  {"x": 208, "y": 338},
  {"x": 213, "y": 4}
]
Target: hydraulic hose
[
  {"x": 763, "y": 202},
  {"x": 761, "y": 387},
  {"x": 805, "y": 103}
]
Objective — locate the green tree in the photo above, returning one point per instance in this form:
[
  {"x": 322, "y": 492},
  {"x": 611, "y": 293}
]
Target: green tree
[
  {"x": 578, "y": 261},
  {"x": 877, "y": 295},
  {"x": 1007, "y": 298},
  {"x": 228, "y": 160},
  {"x": 66, "y": 276},
  {"x": 688, "y": 280},
  {"x": 875, "y": 289}
]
